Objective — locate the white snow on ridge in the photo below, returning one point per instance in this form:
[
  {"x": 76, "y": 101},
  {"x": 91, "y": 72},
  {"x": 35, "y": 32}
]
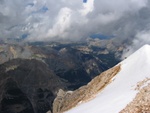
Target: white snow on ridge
[{"x": 121, "y": 91}]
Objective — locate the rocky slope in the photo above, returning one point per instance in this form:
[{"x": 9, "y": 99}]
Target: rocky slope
[
  {"x": 67, "y": 100},
  {"x": 141, "y": 103}
]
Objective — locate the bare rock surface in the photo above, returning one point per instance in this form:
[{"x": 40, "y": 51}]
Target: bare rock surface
[
  {"x": 67, "y": 100},
  {"x": 141, "y": 103}
]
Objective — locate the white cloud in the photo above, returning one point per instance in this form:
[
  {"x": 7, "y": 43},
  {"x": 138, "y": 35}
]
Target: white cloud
[
  {"x": 72, "y": 19},
  {"x": 62, "y": 24},
  {"x": 140, "y": 39},
  {"x": 87, "y": 7}
]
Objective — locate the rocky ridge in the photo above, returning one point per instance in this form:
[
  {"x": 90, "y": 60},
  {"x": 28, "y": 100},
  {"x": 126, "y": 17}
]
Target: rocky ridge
[
  {"x": 66, "y": 100},
  {"x": 128, "y": 91}
]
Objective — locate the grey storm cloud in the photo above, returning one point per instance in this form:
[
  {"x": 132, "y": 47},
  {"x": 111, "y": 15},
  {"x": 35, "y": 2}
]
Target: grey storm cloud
[{"x": 46, "y": 20}]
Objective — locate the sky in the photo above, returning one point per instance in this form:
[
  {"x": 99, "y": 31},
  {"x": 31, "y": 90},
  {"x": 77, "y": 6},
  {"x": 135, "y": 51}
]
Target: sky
[{"x": 50, "y": 20}]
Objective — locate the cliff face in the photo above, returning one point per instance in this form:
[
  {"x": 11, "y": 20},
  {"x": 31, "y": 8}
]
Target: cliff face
[{"x": 67, "y": 100}]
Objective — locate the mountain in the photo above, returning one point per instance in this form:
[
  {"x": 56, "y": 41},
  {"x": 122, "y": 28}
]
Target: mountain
[
  {"x": 27, "y": 86},
  {"x": 31, "y": 74},
  {"x": 113, "y": 91},
  {"x": 77, "y": 63}
]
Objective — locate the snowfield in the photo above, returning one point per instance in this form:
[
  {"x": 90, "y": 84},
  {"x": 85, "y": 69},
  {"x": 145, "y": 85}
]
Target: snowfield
[{"x": 121, "y": 91}]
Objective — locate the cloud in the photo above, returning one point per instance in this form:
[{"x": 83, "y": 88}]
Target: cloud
[
  {"x": 59, "y": 28},
  {"x": 46, "y": 20},
  {"x": 140, "y": 39},
  {"x": 88, "y": 6}
]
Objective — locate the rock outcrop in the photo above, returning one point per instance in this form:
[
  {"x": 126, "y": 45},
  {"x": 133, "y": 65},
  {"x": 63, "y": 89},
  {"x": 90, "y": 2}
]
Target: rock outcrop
[
  {"x": 68, "y": 100},
  {"x": 141, "y": 103}
]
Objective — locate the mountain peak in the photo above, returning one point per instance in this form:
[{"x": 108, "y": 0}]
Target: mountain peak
[
  {"x": 146, "y": 46},
  {"x": 140, "y": 57},
  {"x": 145, "y": 49}
]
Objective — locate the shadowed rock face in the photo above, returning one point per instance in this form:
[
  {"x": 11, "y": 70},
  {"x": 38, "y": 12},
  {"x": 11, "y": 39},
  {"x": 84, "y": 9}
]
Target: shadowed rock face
[
  {"x": 27, "y": 86},
  {"x": 14, "y": 100}
]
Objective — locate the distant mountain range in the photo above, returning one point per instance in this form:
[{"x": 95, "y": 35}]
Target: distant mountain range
[{"x": 31, "y": 74}]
